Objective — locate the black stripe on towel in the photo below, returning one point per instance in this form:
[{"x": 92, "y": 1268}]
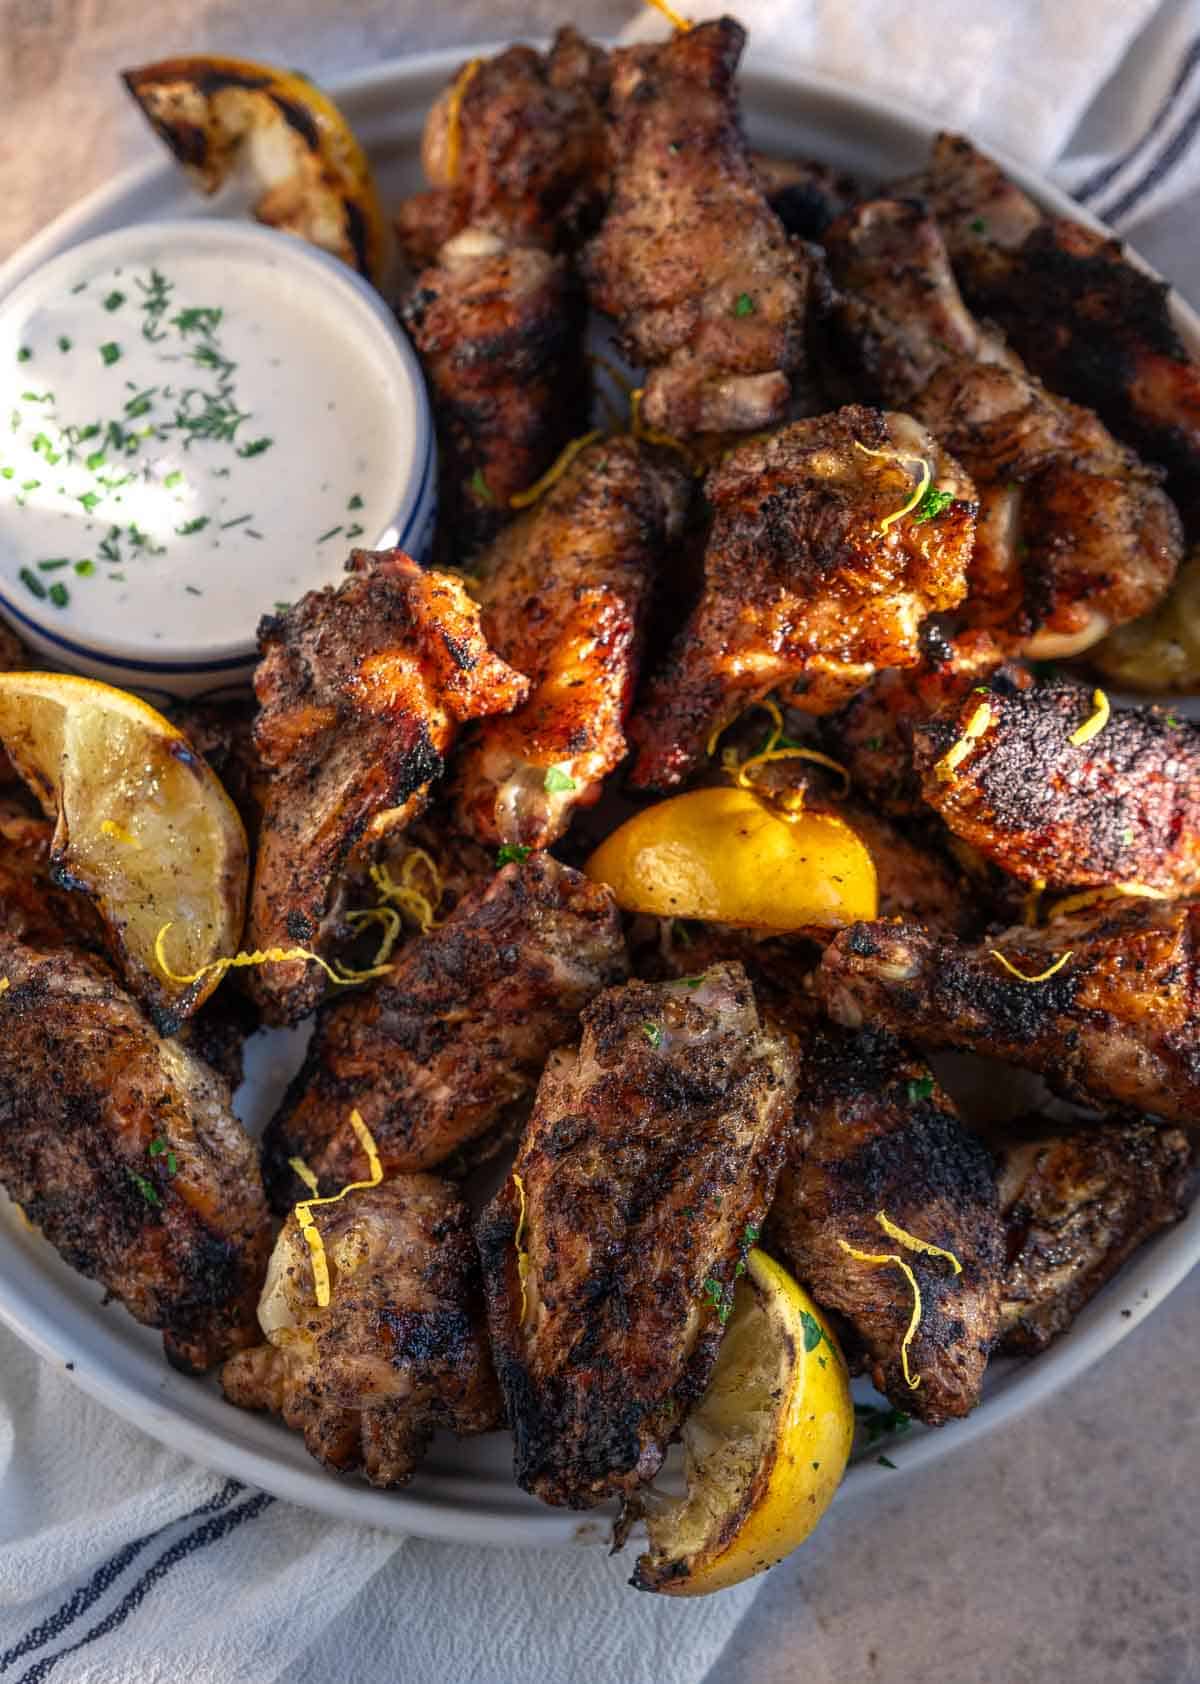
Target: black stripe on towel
[
  {"x": 82, "y": 1598},
  {"x": 1159, "y": 170},
  {"x": 211, "y": 1532},
  {"x": 1100, "y": 180}
]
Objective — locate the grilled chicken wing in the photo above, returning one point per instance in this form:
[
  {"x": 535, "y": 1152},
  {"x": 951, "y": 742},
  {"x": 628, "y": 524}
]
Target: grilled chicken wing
[
  {"x": 121, "y": 1146},
  {"x": 515, "y": 145},
  {"x": 876, "y": 1133},
  {"x": 362, "y": 689},
  {"x": 1076, "y": 1207},
  {"x": 1085, "y": 318},
  {"x": 1161, "y": 651},
  {"x": 809, "y": 579},
  {"x": 805, "y": 194},
  {"x": 564, "y": 596},
  {"x": 401, "y": 1348},
  {"x": 710, "y": 293},
  {"x": 1116, "y": 1026},
  {"x": 1075, "y": 534},
  {"x": 447, "y": 1047},
  {"x": 1122, "y": 807},
  {"x": 499, "y": 330},
  {"x": 610, "y": 1254}
]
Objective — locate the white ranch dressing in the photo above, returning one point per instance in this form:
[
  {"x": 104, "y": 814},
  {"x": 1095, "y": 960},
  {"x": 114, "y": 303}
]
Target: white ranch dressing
[{"x": 199, "y": 421}]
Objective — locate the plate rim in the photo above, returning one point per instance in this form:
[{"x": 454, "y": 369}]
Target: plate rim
[{"x": 1137, "y": 1290}]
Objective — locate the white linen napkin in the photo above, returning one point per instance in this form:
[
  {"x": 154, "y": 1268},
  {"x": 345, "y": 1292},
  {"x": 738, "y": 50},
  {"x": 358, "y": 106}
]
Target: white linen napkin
[{"x": 122, "y": 1563}]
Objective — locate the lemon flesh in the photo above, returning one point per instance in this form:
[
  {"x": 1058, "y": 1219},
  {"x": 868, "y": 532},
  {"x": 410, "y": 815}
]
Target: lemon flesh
[
  {"x": 724, "y": 855},
  {"x": 764, "y": 1449},
  {"x": 143, "y": 827}
]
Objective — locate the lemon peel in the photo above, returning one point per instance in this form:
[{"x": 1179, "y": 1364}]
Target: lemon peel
[
  {"x": 420, "y": 907},
  {"x": 791, "y": 803},
  {"x": 1113, "y": 891},
  {"x": 343, "y": 976},
  {"x": 454, "y": 107},
  {"x": 674, "y": 18},
  {"x": 1042, "y": 976},
  {"x": 1095, "y": 723},
  {"x": 307, "y": 1222},
  {"x": 924, "y": 481},
  {"x": 958, "y": 752},
  {"x": 653, "y": 435},
  {"x": 5, "y": 985},
  {"x": 913, "y": 1242},
  {"x": 522, "y": 1255},
  {"x": 302, "y": 1172},
  {"x": 914, "y": 1322},
  {"x": 556, "y": 470}
]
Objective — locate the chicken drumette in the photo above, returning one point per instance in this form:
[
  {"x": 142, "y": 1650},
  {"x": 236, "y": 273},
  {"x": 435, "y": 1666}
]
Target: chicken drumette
[
  {"x": 817, "y": 574},
  {"x": 362, "y": 690},
  {"x": 399, "y": 1351},
  {"x": 564, "y": 594},
  {"x": 610, "y": 1254},
  {"x": 1076, "y": 1206},
  {"x": 709, "y": 291},
  {"x": 445, "y": 1049},
  {"x": 1075, "y": 534},
  {"x": 1114, "y": 1025}
]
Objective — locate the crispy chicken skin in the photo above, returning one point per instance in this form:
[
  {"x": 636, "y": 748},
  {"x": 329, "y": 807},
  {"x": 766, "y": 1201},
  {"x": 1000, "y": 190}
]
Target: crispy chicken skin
[
  {"x": 564, "y": 592},
  {"x": 529, "y": 159},
  {"x": 499, "y": 330},
  {"x": 446, "y": 1048},
  {"x": 400, "y": 1350},
  {"x": 1088, "y": 321},
  {"x": 803, "y": 586},
  {"x": 361, "y": 689},
  {"x": 647, "y": 1168},
  {"x": 875, "y": 1133},
  {"x": 1122, "y": 807},
  {"x": 1075, "y": 534},
  {"x": 121, "y": 1146},
  {"x": 1117, "y": 1027},
  {"x": 1076, "y": 1207},
  {"x": 709, "y": 292}
]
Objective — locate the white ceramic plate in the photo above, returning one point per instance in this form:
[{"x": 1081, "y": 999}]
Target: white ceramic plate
[{"x": 465, "y": 1491}]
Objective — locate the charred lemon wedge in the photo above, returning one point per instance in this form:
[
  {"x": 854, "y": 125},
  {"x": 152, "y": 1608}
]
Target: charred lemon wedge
[
  {"x": 311, "y": 174},
  {"x": 764, "y": 1449},
  {"x": 725, "y": 855},
  {"x": 142, "y": 826}
]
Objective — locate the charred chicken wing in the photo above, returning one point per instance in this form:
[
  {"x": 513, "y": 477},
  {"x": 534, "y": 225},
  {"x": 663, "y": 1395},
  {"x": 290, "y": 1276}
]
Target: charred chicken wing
[
  {"x": 444, "y": 1050},
  {"x": 122, "y": 1147},
  {"x": 362, "y": 690},
  {"x": 399, "y": 1351},
  {"x": 1115, "y": 1025},
  {"x": 564, "y": 596},
  {"x": 1075, "y": 534},
  {"x": 816, "y": 575},
  {"x": 1076, "y": 1206},
  {"x": 709, "y": 292},
  {"x": 610, "y": 1253}
]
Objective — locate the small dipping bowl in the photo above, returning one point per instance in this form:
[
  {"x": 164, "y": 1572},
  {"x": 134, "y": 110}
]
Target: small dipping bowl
[{"x": 202, "y": 419}]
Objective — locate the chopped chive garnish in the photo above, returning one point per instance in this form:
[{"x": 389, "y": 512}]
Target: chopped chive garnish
[
  {"x": 31, "y": 582},
  {"x": 255, "y": 447},
  {"x": 24, "y": 354},
  {"x": 558, "y": 782},
  {"x": 653, "y": 1034},
  {"x": 193, "y": 590},
  {"x": 95, "y": 460},
  {"x": 114, "y": 300},
  {"x": 332, "y": 533},
  {"x": 237, "y": 521},
  {"x": 59, "y": 595},
  {"x": 355, "y": 502},
  {"x": 512, "y": 853},
  {"x": 64, "y": 344},
  {"x": 89, "y": 500},
  {"x": 190, "y": 526},
  {"x": 53, "y": 565},
  {"x": 744, "y": 305},
  {"x": 110, "y": 353},
  {"x": 85, "y": 568},
  {"x": 355, "y": 531},
  {"x": 480, "y": 486},
  {"x": 173, "y": 479}
]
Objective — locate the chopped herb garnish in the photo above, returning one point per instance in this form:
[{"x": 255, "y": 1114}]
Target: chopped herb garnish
[
  {"x": 355, "y": 531},
  {"x": 89, "y": 500},
  {"x": 24, "y": 354},
  {"x": 238, "y": 520},
  {"x": 282, "y": 607},
  {"x": 813, "y": 1331},
  {"x": 653, "y": 1034},
  {"x": 32, "y": 583},
  {"x": 512, "y": 853},
  {"x": 110, "y": 352},
  {"x": 744, "y": 305},
  {"x": 885, "y": 1462},
  {"x": 193, "y": 590},
  {"x": 146, "y": 1188},
  {"x": 95, "y": 460},
  {"x": 920, "y": 1089},
  {"x": 979, "y": 226},
  {"x": 85, "y": 568},
  {"x": 880, "y": 1423},
  {"x": 750, "y": 1233},
  {"x": 480, "y": 486},
  {"x": 173, "y": 479},
  {"x": 558, "y": 782},
  {"x": 255, "y": 447},
  {"x": 1173, "y": 720},
  {"x": 355, "y": 502},
  {"x": 53, "y": 565},
  {"x": 59, "y": 595},
  {"x": 35, "y": 397},
  {"x": 933, "y": 504},
  {"x": 200, "y": 319},
  {"x": 114, "y": 300},
  {"x": 874, "y": 743},
  {"x": 190, "y": 526},
  {"x": 140, "y": 404},
  {"x": 64, "y": 344},
  {"x": 332, "y": 533}
]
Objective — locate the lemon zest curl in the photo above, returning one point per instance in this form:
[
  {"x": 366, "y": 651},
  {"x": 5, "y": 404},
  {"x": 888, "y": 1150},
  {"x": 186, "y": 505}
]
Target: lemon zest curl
[
  {"x": 342, "y": 976},
  {"x": 1095, "y": 723},
  {"x": 556, "y": 470},
  {"x": 304, "y": 1216},
  {"x": 522, "y": 1254},
  {"x": 454, "y": 107},
  {"x": 958, "y": 752},
  {"x": 1042, "y": 976},
  {"x": 879, "y": 1257}
]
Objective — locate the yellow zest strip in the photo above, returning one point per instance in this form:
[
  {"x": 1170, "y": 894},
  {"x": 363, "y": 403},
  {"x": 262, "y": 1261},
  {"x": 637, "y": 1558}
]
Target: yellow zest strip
[
  {"x": 5, "y": 985},
  {"x": 420, "y": 907},
  {"x": 304, "y": 1215},
  {"x": 454, "y": 107},
  {"x": 903, "y": 1237},
  {"x": 392, "y": 926},
  {"x": 342, "y": 976},
  {"x": 958, "y": 752},
  {"x": 109, "y": 827},
  {"x": 652, "y": 435},
  {"x": 924, "y": 480},
  {"x": 1115, "y": 891},
  {"x": 556, "y": 470},
  {"x": 1029, "y": 909},
  {"x": 1092, "y": 726},
  {"x": 915, "y": 1319},
  {"x": 522, "y": 1256},
  {"x": 302, "y": 1172},
  {"x": 676, "y": 19},
  {"x": 1042, "y": 976}
]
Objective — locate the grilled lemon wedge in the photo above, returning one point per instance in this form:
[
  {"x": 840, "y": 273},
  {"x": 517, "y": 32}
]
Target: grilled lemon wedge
[
  {"x": 723, "y": 854},
  {"x": 764, "y": 1449},
  {"x": 143, "y": 827},
  {"x": 313, "y": 176}
]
